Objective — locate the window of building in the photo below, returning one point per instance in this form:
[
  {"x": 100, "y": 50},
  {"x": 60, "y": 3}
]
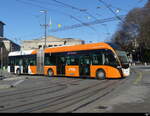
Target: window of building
[{"x": 40, "y": 46}]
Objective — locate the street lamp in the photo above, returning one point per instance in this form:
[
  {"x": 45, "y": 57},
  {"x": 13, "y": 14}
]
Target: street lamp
[{"x": 45, "y": 25}]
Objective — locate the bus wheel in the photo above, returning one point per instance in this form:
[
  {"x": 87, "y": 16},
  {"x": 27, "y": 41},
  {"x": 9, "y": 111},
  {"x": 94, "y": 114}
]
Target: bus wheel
[
  {"x": 50, "y": 73},
  {"x": 18, "y": 72},
  {"x": 100, "y": 74}
]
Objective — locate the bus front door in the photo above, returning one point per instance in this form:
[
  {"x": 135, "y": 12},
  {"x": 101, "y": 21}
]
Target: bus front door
[
  {"x": 61, "y": 65},
  {"x": 85, "y": 66}
]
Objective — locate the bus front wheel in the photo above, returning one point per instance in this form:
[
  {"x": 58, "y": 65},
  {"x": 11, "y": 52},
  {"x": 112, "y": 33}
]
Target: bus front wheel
[
  {"x": 100, "y": 74},
  {"x": 50, "y": 73}
]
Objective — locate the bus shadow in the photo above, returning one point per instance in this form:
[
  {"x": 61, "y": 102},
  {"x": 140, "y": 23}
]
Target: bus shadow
[{"x": 89, "y": 78}]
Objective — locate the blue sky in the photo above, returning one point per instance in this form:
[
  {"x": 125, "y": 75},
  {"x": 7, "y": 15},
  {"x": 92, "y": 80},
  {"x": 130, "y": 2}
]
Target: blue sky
[{"x": 23, "y": 18}]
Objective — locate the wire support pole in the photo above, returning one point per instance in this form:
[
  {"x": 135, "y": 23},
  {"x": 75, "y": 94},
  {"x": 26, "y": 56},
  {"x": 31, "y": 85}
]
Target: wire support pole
[{"x": 45, "y": 27}]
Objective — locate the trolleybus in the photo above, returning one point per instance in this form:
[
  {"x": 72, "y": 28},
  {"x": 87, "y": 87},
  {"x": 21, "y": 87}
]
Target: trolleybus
[{"x": 94, "y": 60}]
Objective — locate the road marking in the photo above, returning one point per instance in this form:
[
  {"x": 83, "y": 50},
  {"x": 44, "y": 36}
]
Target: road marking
[
  {"x": 16, "y": 83},
  {"x": 138, "y": 79},
  {"x": 4, "y": 86},
  {"x": 13, "y": 78}
]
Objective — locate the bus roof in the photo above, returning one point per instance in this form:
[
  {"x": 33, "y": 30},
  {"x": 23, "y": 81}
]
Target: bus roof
[
  {"x": 91, "y": 46},
  {"x": 114, "y": 46},
  {"x": 19, "y": 53}
]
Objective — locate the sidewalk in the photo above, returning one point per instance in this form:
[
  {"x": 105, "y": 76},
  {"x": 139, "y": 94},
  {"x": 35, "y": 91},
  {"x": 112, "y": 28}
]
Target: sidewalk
[
  {"x": 8, "y": 80},
  {"x": 141, "y": 66},
  {"x": 4, "y": 74}
]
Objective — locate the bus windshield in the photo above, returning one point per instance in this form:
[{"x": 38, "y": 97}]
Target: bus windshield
[{"x": 123, "y": 57}]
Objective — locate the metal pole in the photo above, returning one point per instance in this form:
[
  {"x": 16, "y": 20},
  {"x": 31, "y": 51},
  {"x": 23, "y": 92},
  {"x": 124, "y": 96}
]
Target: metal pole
[
  {"x": 1, "y": 57},
  {"x": 1, "y": 75},
  {"x": 45, "y": 28}
]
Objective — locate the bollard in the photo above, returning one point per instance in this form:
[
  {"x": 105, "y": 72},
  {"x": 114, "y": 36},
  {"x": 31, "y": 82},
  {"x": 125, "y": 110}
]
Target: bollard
[{"x": 145, "y": 64}]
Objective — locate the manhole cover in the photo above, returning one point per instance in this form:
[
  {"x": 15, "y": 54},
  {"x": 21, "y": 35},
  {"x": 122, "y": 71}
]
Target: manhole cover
[
  {"x": 102, "y": 107},
  {"x": 2, "y": 106},
  {"x": 106, "y": 108}
]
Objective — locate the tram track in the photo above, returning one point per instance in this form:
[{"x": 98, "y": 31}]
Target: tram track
[
  {"x": 45, "y": 101},
  {"x": 66, "y": 103},
  {"x": 16, "y": 92},
  {"x": 24, "y": 98},
  {"x": 64, "y": 100},
  {"x": 30, "y": 94},
  {"x": 72, "y": 101}
]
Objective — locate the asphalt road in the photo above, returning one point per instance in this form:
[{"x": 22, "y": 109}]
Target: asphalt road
[{"x": 60, "y": 94}]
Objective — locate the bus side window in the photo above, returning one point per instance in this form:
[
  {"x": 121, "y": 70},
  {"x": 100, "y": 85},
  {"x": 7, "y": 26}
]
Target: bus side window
[
  {"x": 17, "y": 60},
  {"x": 110, "y": 59},
  {"x": 68, "y": 60},
  {"x": 25, "y": 61},
  {"x": 11, "y": 61},
  {"x": 97, "y": 59},
  {"x": 75, "y": 60},
  {"x": 85, "y": 60},
  {"x": 81, "y": 60},
  {"x": 47, "y": 59},
  {"x": 50, "y": 59},
  {"x": 72, "y": 60},
  {"x": 62, "y": 60},
  {"x": 32, "y": 60},
  {"x": 20, "y": 62}
]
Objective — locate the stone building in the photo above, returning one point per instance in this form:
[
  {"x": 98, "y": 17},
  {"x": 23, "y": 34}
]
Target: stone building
[
  {"x": 6, "y": 46},
  {"x": 50, "y": 42},
  {"x": 1, "y": 29}
]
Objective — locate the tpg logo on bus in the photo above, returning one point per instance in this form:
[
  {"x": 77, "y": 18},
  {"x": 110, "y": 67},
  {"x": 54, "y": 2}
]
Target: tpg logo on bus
[{"x": 72, "y": 69}]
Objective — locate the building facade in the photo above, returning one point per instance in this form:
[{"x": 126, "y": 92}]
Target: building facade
[
  {"x": 50, "y": 42},
  {"x": 6, "y": 46},
  {"x": 1, "y": 29}
]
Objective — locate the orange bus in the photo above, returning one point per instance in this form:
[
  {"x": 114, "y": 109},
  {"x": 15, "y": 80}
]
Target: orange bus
[{"x": 94, "y": 60}]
